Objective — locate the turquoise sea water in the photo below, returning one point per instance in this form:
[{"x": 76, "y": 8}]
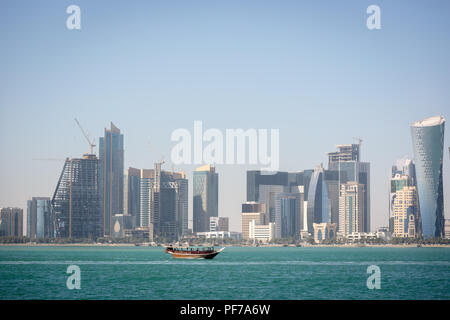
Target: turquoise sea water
[{"x": 236, "y": 273}]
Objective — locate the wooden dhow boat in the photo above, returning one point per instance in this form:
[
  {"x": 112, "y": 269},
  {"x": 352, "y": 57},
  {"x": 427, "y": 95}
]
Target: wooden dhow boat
[{"x": 193, "y": 253}]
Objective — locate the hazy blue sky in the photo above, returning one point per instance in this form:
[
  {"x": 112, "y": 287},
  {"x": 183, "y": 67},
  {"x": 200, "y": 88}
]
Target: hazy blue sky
[{"x": 308, "y": 68}]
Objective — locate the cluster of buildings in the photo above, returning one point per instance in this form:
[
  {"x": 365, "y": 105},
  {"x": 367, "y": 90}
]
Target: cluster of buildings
[
  {"x": 320, "y": 202},
  {"x": 335, "y": 202},
  {"x": 94, "y": 198},
  {"x": 416, "y": 201}
]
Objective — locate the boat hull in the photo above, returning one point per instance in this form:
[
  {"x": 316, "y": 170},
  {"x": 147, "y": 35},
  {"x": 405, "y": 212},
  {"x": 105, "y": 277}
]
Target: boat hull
[
  {"x": 178, "y": 255},
  {"x": 196, "y": 254}
]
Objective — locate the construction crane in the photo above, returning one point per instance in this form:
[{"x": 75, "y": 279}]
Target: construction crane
[{"x": 86, "y": 135}]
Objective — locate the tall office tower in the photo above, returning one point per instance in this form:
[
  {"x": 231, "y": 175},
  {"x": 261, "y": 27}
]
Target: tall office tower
[
  {"x": 268, "y": 195},
  {"x": 11, "y": 222},
  {"x": 252, "y": 210},
  {"x": 75, "y": 203},
  {"x": 406, "y": 212},
  {"x": 346, "y": 161},
  {"x": 205, "y": 196},
  {"x": 183, "y": 203},
  {"x": 131, "y": 197},
  {"x": 111, "y": 155},
  {"x": 164, "y": 203},
  {"x": 351, "y": 208},
  {"x": 428, "y": 145},
  {"x": 402, "y": 175},
  {"x": 39, "y": 218},
  {"x": 288, "y": 215},
  {"x": 319, "y": 205},
  {"x": 173, "y": 204},
  {"x": 145, "y": 195}
]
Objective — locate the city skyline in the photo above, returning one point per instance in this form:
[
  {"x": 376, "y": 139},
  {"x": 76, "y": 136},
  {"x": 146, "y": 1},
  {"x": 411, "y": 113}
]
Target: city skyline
[
  {"x": 226, "y": 65},
  {"x": 234, "y": 218}
]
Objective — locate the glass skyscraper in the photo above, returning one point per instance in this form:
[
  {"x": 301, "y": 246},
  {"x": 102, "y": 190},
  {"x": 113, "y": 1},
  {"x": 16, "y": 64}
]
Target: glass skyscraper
[
  {"x": 131, "y": 195},
  {"x": 288, "y": 216},
  {"x": 318, "y": 207},
  {"x": 347, "y": 162},
  {"x": 205, "y": 196},
  {"x": 428, "y": 146},
  {"x": 111, "y": 156},
  {"x": 163, "y": 203},
  {"x": 39, "y": 219}
]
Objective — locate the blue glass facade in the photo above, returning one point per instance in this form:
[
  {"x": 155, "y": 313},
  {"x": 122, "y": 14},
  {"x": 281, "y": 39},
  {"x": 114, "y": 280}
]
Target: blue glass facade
[
  {"x": 205, "y": 198},
  {"x": 111, "y": 154},
  {"x": 288, "y": 215},
  {"x": 318, "y": 208},
  {"x": 347, "y": 162},
  {"x": 428, "y": 145}
]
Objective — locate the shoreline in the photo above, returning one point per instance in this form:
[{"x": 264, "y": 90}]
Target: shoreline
[{"x": 240, "y": 246}]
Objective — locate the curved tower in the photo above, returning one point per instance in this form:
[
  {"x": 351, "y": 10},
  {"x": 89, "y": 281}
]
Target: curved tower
[
  {"x": 428, "y": 145},
  {"x": 318, "y": 208}
]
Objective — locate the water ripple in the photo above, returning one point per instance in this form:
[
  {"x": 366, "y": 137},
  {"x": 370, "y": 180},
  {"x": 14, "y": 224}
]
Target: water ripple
[{"x": 226, "y": 263}]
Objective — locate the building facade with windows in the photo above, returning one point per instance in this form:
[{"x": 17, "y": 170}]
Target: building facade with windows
[
  {"x": 351, "y": 208},
  {"x": 252, "y": 211},
  {"x": 288, "y": 215},
  {"x": 11, "y": 222},
  {"x": 406, "y": 212},
  {"x": 205, "y": 197},
  {"x": 111, "y": 171},
  {"x": 39, "y": 219},
  {"x": 428, "y": 145},
  {"x": 76, "y": 201},
  {"x": 324, "y": 231}
]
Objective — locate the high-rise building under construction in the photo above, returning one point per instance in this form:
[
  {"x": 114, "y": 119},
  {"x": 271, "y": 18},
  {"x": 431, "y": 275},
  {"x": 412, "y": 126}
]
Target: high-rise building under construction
[{"x": 75, "y": 203}]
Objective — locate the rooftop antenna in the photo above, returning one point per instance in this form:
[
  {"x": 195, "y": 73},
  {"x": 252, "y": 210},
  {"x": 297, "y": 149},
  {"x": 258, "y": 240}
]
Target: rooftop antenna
[{"x": 86, "y": 135}]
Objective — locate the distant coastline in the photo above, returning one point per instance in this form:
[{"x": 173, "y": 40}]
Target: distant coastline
[{"x": 31, "y": 244}]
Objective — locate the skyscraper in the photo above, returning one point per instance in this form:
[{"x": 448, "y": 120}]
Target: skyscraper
[
  {"x": 351, "y": 208},
  {"x": 145, "y": 196},
  {"x": 406, "y": 212},
  {"x": 346, "y": 161},
  {"x": 428, "y": 145},
  {"x": 163, "y": 203},
  {"x": 111, "y": 154},
  {"x": 131, "y": 198},
  {"x": 403, "y": 174},
  {"x": 205, "y": 197},
  {"x": 39, "y": 218},
  {"x": 11, "y": 222},
  {"x": 76, "y": 206},
  {"x": 319, "y": 204},
  {"x": 288, "y": 215}
]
